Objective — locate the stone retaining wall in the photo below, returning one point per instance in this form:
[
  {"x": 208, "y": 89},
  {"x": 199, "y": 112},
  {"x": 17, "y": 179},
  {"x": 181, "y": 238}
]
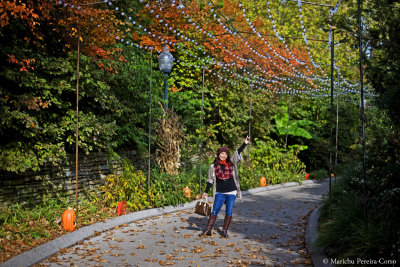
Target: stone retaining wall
[{"x": 93, "y": 171}]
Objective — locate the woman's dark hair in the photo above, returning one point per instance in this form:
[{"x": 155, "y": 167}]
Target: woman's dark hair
[{"x": 219, "y": 151}]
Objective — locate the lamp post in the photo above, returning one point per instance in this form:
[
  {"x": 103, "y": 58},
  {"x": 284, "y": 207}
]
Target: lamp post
[{"x": 165, "y": 62}]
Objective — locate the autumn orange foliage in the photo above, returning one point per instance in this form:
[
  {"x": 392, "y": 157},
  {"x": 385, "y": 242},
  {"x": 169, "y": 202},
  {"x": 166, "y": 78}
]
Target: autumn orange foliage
[
  {"x": 196, "y": 19},
  {"x": 17, "y": 10},
  {"x": 221, "y": 31}
]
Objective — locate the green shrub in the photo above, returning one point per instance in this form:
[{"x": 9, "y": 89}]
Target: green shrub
[
  {"x": 163, "y": 189},
  {"x": 319, "y": 174},
  {"x": 130, "y": 185},
  {"x": 343, "y": 232},
  {"x": 276, "y": 164}
]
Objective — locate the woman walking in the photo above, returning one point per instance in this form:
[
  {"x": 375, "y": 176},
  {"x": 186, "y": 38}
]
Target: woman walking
[{"x": 224, "y": 178}]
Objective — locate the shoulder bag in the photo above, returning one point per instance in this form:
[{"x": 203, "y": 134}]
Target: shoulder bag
[{"x": 203, "y": 207}]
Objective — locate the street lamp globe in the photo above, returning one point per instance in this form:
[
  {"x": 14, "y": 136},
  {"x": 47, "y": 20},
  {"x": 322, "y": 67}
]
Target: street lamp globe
[{"x": 165, "y": 60}]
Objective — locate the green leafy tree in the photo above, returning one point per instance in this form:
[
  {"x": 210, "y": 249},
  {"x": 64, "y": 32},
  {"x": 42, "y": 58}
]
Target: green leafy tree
[
  {"x": 292, "y": 127},
  {"x": 38, "y": 92},
  {"x": 383, "y": 67}
]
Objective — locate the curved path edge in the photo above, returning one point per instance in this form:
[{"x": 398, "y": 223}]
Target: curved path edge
[
  {"x": 46, "y": 250},
  {"x": 317, "y": 254}
]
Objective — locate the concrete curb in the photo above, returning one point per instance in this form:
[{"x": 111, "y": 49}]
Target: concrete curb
[
  {"x": 317, "y": 254},
  {"x": 274, "y": 187},
  {"x": 46, "y": 250}
]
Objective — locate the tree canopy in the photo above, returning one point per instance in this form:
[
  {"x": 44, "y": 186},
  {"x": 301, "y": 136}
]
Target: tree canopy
[{"x": 253, "y": 53}]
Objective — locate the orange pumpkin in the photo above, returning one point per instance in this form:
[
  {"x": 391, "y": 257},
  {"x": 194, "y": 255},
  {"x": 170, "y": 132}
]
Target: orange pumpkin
[
  {"x": 68, "y": 220},
  {"x": 263, "y": 181},
  {"x": 186, "y": 191},
  {"x": 121, "y": 209}
]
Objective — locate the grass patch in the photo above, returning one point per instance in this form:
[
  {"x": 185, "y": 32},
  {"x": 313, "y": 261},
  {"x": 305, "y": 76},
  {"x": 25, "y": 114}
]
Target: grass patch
[{"x": 23, "y": 227}]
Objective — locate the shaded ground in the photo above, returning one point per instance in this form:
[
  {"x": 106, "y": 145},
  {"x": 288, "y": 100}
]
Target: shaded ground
[{"x": 267, "y": 230}]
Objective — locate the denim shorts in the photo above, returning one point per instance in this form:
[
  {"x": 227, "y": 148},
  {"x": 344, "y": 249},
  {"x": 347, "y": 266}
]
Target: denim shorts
[{"x": 220, "y": 200}]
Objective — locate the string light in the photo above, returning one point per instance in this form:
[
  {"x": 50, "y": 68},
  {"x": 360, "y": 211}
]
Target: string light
[
  {"x": 207, "y": 60},
  {"x": 243, "y": 39}
]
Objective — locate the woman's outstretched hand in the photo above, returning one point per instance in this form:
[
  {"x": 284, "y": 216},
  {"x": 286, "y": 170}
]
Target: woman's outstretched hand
[{"x": 247, "y": 140}]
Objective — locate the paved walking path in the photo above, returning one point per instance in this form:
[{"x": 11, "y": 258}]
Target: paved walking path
[{"x": 268, "y": 229}]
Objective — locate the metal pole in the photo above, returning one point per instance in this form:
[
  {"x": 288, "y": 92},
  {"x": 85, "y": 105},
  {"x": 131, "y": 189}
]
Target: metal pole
[
  {"x": 77, "y": 112},
  {"x": 251, "y": 100},
  {"x": 166, "y": 91},
  {"x": 337, "y": 121},
  {"x": 77, "y": 121},
  {"x": 362, "y": 114},
  {"x": 201, "y": 129},
  {"x": 149, "y": 149},
  {"x": 331, "y": 117},
  {"x": 287, "y": 124}
]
